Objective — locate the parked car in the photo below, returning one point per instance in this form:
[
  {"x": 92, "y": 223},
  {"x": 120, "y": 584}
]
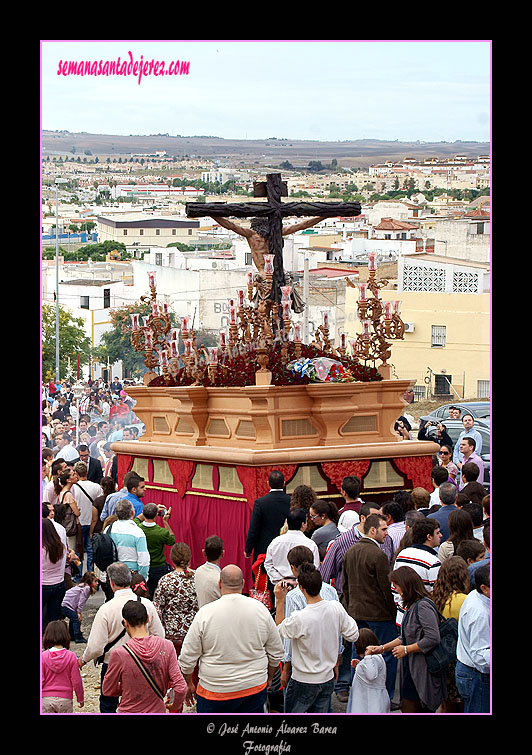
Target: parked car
[
  {"x": 454, "y": 428},
  {"x": 477, "y": 409}
]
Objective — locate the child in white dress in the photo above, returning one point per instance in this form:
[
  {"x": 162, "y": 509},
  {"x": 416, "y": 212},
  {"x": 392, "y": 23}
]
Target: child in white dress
[{"x": 368, "y": 692}]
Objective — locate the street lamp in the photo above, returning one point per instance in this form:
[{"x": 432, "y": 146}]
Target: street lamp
[
  {"x": 57, "y": 182},
  {"x": 77, "y": 390}
]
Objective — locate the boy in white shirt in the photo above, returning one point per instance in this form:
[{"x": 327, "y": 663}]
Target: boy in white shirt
[{"x": 314, "y": 632}]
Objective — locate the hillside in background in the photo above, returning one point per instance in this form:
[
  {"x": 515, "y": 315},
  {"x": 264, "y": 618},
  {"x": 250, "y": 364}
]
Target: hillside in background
[{"x": 359, "y": 153}]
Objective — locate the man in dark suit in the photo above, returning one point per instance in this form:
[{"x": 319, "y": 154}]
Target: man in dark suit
[
  {"x": 268, "y": 516},
  {"x": 94, "y": 467}
]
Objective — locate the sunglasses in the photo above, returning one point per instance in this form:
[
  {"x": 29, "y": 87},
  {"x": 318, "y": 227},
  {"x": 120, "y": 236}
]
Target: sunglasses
[{"x": 444, "y": 453}]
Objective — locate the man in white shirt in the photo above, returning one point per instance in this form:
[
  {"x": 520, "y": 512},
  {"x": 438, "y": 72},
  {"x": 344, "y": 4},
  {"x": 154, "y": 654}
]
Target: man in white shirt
[
  {"x": 473, "y": 651},
  {"x": 207, "y": 576},
  {"x": 314, "y": 632},
  {"x": 85, "y": 492},
  {"x": 66, "y": 449},
  {"x": 276, "y": 562},
  {"x": 235, "y": 641}
]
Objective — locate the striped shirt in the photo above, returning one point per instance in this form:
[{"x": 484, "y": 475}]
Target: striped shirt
[
  {"x": 425, "y": 562},
  {"x": 331, "y": 567},
  {"x": 131, "y": 544}
]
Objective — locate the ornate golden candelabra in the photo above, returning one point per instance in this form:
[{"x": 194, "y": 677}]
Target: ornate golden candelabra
[{"x": 381, "y": 321}]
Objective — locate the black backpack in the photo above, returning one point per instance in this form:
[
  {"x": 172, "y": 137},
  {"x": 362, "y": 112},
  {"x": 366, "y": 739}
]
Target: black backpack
[{"x": 104, "y": 550}]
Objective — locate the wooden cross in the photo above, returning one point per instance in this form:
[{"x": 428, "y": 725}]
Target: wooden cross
[{"x": 274, "y": 210}]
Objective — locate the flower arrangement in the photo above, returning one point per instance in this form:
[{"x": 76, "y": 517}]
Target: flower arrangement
[{"x": 313, "y": 365}]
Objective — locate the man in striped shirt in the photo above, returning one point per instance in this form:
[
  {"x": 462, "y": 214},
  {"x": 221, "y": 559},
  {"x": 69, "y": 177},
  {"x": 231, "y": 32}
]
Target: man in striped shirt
[
  {"x": 130, "y": 540},
  {"x": 421, "y": 556}
]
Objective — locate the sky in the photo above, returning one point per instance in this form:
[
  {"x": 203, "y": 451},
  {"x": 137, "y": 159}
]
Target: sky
[{"x": 333, "y": 90}]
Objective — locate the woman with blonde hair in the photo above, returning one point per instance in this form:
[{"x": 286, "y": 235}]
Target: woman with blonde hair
[{"x": 451, "y": 588}]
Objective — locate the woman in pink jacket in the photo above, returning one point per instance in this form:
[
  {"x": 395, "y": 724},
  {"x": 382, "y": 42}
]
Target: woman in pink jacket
[
  {"x": 125, "y": 677},
  {"x": 60, "y": 671}
]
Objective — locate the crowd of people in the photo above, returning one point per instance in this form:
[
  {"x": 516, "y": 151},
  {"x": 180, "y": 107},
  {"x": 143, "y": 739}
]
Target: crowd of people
[{"x": 349, "y": 601}]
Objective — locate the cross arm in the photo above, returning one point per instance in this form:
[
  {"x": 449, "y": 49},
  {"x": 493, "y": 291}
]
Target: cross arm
[
  {"x": 323, "y": 209},
  {"x": 228, "y": 210}
]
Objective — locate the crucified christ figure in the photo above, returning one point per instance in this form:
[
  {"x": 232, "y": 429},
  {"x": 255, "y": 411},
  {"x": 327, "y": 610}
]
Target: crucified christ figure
[{"x": 257, "y": 235}]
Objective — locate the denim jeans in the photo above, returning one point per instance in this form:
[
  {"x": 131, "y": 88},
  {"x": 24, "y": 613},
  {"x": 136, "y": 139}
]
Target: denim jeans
[
  {"x": 107, "y": 704},
  {"x": 308, "y": 698},
  {"x": 87, "y": 545},
  {"x": 386, "y": 631},
  {"x": 52, "y": 597},
  {"x": 74, "y": 627},
  {"x": 474, "y": 688},
  {"x": 249, "y": 704},
  {"x": 343, "y": 683}
]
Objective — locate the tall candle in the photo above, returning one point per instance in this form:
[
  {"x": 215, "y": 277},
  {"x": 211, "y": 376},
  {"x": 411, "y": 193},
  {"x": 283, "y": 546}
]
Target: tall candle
[
  {"x": 164, "y": 307},
  {"x": 151, "y": 279},
  {"x": 325, "y": 319},
  {"x": 388, "y": 310},
  {"x": 268, "y": 263},
  {"x": 365, "y": 325},
  {"x": 213, "y": 355},
  {"x": 342, "y": 340},
  {"x": 285, "y": 291},
  {"x": 135, "y": 321},
  {"x": 154, "y": 308},
  {"x": 372, "y": 262},
  {"x": 232, "y": 315},
  {"x": 250, "y": 279},
  {"x": 164, "y": 359},
  {"x": 240, "y": 298},
  {"x": 174, "y": 334},
  {"x": 222, "y": 337},
  {"x": 397, "y": 307},
  {"x": 188, "y": 347},
  {"x": 362, "y": 289},
  {"x": 184, "y": 322},
  {"x": 149, "y": 339},
  {"x": 286, "y": 310},
  {"x": 297, "y": 331},
  {"x": 173, "y": 349}
]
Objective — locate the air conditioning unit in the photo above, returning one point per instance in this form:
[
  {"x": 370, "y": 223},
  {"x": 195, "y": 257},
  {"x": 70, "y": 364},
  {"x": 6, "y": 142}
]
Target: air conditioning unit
[{"x": 409, "y": 327}]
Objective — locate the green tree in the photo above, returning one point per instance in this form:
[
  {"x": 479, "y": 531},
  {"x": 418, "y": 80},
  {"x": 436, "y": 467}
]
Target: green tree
[{"x": 72, "y": 341}]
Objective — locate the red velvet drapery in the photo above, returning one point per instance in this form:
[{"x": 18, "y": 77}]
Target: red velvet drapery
[
  {"x": 123, "y": 465},
  {"x": 255, "y": 479},
  {"x": 182, "y": 473},
  {"x": 417, "y": 469},
  {"x": 337, "y": 470}
]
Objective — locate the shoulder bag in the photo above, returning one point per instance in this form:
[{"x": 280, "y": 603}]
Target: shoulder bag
[
  {"x": 151, "y": 681},
  {"x": 445, "y": 652}
]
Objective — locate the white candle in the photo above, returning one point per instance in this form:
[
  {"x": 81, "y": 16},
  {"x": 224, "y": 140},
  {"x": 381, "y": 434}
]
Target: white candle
[
  {"x": 250, "y": 279},
  {"x": 154, "y": 308},
  {"x": 164, "y": 359},
  {"x": 222, "y": 337},
  {"x": 149, "y": 339},
  {"x": 151, "y": 279},
  {"x": 135, "y": 321},
  {"x": 325, "y": 319},
  {"x": 397, "y": 307},
  {"x": 164, "y": 307},
  {"x": 268, "y": 263},
  {"x": 342, "y": 340},
  {"x": 372, "y": 261},
  {"x": 232, "y": 315},
  {"x": 365, "y": 325},
  {"x": 213, "y": 355},
  {"x": 240, "y": 298},
  {"x": 362, "y": 288},
  {"x": 184, "y": 322},
  {"x": 188, "y": 347},
  {"x": 388, "y": 310},
  {"x": 286, "y": 310},
  {"x": 297, "y": 331},
  {"x": 285, "y": 291},
  {"x": 174, "y": 334},
  {"x": 173, "y": 349}
]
